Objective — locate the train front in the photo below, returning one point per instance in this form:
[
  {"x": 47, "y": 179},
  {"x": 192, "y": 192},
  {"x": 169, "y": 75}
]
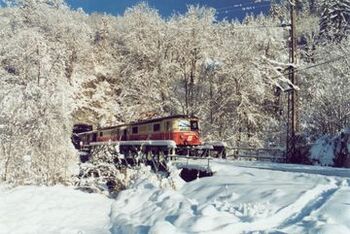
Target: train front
[{"x": 187, "y": 132}]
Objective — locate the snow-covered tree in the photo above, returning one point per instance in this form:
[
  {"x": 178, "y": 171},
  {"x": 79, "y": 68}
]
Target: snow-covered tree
[
  {"x": 142, "y": 49},
  {"x": 335, "y": 20},
  {"x": 326, "y": 105},
  {"x": 35, "y": 99},
  {"x": 59, "y": 66}
]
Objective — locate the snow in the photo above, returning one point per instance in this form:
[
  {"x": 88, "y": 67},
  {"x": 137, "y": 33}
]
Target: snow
[
  {"x": 237, "y": 199},
  {"x": 30, "y": 209},
  {"x": 325, "y": 149},
  {"x": 241, "y": 197}
]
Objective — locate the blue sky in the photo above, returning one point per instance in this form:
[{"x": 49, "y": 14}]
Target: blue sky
[{"x": 230, "y": 9}]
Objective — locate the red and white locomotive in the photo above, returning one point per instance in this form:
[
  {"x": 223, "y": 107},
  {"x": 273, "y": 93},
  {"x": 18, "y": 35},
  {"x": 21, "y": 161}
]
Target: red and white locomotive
[{"x": 172, "y": 135}]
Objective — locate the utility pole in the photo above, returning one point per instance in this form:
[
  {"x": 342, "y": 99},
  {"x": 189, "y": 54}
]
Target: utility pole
[{"x": 292, "y": 113}]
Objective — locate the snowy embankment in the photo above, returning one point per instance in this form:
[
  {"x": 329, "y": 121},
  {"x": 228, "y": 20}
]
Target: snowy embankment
[
  {"x": 332, "y": 150},
  {"x": 239, "y": 198},
  {"x": 30, "y": 209}
]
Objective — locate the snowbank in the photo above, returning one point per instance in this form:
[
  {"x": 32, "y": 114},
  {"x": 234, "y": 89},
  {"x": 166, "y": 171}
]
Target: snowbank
[
  {"x": 241, "y": 197},
  {"x": 237, "y": 199},
  {"x": 332, "y": 150},
  {"x": 52, "y": 210}
]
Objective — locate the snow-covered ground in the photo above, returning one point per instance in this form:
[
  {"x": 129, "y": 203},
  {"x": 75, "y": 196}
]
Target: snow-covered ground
[
  {"x": 52, "y": 210},
  {"x": 242, "y": 197}
]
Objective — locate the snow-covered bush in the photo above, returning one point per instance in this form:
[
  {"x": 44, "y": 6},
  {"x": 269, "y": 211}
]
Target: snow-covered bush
[
  {"x": 332, "y": 150},
  {"x": 104, "y": 173},
  {"x": 100, "y": 173}
]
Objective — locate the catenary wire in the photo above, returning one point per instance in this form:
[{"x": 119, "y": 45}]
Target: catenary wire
[{"x": 314, "y": 65}]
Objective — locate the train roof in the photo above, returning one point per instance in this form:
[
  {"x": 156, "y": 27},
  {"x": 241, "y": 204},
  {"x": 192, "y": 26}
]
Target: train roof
[{"x": 150, "y": 121}]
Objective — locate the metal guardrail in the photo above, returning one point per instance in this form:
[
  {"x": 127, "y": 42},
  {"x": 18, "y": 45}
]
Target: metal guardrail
[
  {"x": 259, "y": 154},
  {"x": 187, "y": 159}
]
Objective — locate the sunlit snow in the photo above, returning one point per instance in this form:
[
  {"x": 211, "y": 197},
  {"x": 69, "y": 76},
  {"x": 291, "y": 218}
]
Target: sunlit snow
[{"x": 241, "y": 197}]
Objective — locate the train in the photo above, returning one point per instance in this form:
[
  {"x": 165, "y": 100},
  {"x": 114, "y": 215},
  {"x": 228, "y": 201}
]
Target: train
[{"x": 170, "y": 136}]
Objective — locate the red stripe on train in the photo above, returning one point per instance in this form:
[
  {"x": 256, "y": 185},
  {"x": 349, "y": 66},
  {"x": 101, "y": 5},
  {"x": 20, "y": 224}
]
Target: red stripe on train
[{"x": 180, "y": 138}]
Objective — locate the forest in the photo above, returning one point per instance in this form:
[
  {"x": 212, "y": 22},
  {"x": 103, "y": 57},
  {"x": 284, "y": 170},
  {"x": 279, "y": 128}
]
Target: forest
[{"x": 60, "y": 66}]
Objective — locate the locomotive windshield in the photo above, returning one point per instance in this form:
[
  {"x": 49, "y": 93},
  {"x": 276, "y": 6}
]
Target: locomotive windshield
[
  {"x": 187, "y": 125},
  {"x": 184, "y": 125}
]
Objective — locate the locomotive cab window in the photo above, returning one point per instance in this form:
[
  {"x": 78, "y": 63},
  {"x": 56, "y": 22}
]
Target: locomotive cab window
[
  {"x": 156, "y": 127},
  {"x": 167, "y": 126},
  {"x": 135, "y": 130},
  {"x": 194, "y": 125},
  {"x": 184, "y": 125}
]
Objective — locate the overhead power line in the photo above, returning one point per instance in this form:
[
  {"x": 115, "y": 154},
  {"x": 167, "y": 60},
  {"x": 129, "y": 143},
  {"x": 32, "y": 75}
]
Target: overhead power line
[
  {"x": 237, "y": 3},
  {"x": 248, "y": 8},
  {"x": 241, "y": 7},
  {"x": 259, "y": 26},
  {"x": 242, "y": 26},
  {"x": 314, "y": 65},
  {"x": 324, "y": 63}
]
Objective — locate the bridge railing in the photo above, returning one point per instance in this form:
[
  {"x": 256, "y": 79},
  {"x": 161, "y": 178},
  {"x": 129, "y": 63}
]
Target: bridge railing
[{"x": 259, "y": 154}]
